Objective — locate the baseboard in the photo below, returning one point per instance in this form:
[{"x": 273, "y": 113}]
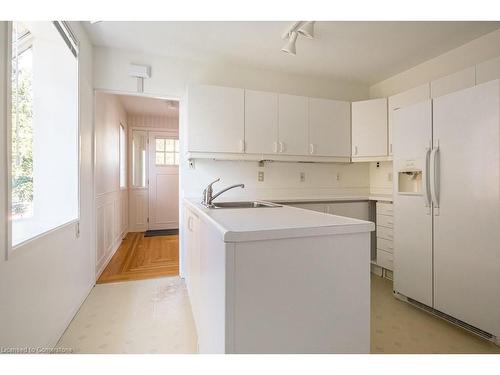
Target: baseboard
[
  {"x": 68, "y": 321},
  {"x": 116, "y": 245}
]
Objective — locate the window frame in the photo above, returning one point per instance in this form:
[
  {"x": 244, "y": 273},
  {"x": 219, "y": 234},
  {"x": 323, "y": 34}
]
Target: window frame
[
  {"x": 61, "y": 27},
  {"x": 165, "y": 152},
  {"x": 123, "y": 157}
]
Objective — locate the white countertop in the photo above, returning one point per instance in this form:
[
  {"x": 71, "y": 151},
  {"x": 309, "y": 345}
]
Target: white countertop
[{"x": 255, "y": 224}]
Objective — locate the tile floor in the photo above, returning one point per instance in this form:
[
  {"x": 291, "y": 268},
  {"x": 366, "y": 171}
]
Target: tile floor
[
  {"x": 146, "y": 316},
  {"x": 154, "y": 316},
  {"x": 397, "y": 327}
]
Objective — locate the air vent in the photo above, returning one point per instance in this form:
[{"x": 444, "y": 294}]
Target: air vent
[{"x": 468, "y": 327}]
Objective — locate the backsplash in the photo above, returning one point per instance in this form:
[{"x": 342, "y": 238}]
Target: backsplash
[{"x": 281, "y": 179}]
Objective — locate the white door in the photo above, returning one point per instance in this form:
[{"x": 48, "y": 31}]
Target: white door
[
  {"x": 329, "y": 127},
  {"x": 412, "y": 230},
  {"x": 261, "y": 122},
  {"x": 216, "y": 119},
  {"x": 292, "y": 128},
  {"x": 369, "y": 128},
  {"x": 163, "y": 181},
  {"x": 467, "y": 227}
]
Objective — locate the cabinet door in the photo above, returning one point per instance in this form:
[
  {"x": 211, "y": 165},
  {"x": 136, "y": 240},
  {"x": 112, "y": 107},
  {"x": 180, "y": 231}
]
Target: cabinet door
[
  {"x": 369, "y": 128},
  {"x": 409, "y": 97},
  {"x": 292, "y": 125},
  {"x": 261, "y": 122},
  {"x": 216, "y": 119},
  {"x": 329, "y": 127},
  {"x": 192, "y": 245}
]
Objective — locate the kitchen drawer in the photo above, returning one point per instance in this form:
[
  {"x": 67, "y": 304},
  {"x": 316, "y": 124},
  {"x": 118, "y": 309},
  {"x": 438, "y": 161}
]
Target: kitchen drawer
[
  {"x": 386, "y": 245},
  {"x": 385, "y": 221},
  {"x": 385, "y": 259},
  {"x": 384, "y": 208},
  {"x": 384, "y": 232}
]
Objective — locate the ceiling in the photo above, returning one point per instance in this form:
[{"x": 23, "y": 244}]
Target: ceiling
[
  {"x": 139, "y": 105},
  {"x": 365, "y": 52}
]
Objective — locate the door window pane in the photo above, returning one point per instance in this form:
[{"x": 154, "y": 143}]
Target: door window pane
[{"x": 167, "y": 151}]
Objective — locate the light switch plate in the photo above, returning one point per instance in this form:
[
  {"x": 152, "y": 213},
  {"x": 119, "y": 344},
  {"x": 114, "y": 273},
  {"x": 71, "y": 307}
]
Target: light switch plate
[
  {"x": 302, "y": 176},
  {"x": 261, "y": 176}
]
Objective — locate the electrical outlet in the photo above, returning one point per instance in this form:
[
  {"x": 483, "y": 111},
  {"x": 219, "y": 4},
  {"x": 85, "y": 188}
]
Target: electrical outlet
[
  {"x": 261, "y": 176},
  {"x": 302, "y": 176},
  {"x": 338, "y": 176}
]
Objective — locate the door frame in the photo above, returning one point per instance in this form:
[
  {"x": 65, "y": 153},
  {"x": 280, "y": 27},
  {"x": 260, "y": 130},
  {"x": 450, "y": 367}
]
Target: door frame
[{"x": 167, "y": 96}]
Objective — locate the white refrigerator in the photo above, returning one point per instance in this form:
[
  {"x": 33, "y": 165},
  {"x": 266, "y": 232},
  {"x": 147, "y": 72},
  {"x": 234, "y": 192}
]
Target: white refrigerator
[{"x": 446, "y": 158}]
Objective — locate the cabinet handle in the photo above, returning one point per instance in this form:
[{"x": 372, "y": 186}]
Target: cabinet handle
[
  {"x": 190, "y": 221},
  {"x": 242, "y": 145},
  {"x": 390, "y": 148},
  {"x": 275, "y": 147},
  {"x": 355, "y": 150},
  {"x": 282, "y": 146},
  {"x": 311, "y": 148}
]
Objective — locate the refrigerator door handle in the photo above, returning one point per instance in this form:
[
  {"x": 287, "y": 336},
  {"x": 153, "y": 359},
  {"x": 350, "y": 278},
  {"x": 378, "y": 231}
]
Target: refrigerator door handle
[
  {"x": 434, "y": 164},
  {"x": 427, "y": 193}
]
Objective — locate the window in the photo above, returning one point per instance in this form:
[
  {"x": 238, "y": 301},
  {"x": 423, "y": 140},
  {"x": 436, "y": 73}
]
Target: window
[
  {"x": 43, "y": 128},
  {"x": 123, "y": 157},
  {"x": 167, "y": 151}
]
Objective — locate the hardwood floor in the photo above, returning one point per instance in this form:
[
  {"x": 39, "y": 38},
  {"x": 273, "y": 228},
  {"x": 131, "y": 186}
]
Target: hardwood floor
[{"x": 140, "y": 257}]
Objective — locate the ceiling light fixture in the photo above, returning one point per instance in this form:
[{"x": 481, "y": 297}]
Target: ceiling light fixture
[
  {"x": 289, "y": 46},
  {"x": 307, "y": 29},
  {"x": 304, "y": 28}
]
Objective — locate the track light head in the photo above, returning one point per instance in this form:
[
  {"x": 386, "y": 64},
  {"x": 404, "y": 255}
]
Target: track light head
[
  {"x": 307, "y": 29},
  {"x": 289, "y": 46}
]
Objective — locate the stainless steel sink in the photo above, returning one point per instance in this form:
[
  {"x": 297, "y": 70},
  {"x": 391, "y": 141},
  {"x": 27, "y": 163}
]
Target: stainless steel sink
[{"x": 253, "y": 204}]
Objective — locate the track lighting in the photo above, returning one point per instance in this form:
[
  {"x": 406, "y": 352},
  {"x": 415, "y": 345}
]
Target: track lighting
[
  {"x": 304, "y": 28},
  {"x": 307, "y": 29},
  {"x": 289, "y": 46}
]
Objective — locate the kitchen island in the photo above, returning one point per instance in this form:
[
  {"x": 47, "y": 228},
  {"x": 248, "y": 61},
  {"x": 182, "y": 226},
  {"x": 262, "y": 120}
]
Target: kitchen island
[{"x": 277, "y": 280}]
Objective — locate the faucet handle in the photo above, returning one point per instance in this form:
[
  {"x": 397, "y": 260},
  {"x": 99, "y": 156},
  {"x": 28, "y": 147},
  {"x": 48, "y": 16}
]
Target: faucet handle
[{"x": 213, "y": 182}]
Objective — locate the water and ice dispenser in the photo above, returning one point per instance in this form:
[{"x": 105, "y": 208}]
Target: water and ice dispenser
[{"x": 410, "y": 181}]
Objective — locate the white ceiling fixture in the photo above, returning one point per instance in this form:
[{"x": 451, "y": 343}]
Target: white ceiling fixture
[{"x": 303, "y": 28}]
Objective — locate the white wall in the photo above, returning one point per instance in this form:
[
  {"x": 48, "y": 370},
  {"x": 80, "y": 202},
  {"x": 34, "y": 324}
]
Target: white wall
[
  {"x": 381, "y": 178},
  {"x": 43, "y": 283},
  {"x": 111, "y": 202},
  {"x": 153, "y": 121},
  {"x": 476, "y": 51}
]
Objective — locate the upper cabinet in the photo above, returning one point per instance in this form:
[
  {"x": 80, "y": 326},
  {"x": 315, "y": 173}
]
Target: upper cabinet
[
  {"x": 216, "y": 119},
  {"x": 292, "y": 125},
  {"x": 409, "y": 97},
  {"x": 229, "y": 123},
  {"x": 261, "y": 122},
  {"x": 329, "y": 127},
  {"x": 369, "y": 130}
]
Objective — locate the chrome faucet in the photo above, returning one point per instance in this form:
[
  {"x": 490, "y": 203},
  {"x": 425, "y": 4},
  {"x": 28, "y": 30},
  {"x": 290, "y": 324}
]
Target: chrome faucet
[{"x": 208, "y": 196}]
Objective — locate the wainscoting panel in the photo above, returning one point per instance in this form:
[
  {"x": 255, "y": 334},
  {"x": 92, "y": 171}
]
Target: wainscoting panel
[{"x": 111, "y": 225}]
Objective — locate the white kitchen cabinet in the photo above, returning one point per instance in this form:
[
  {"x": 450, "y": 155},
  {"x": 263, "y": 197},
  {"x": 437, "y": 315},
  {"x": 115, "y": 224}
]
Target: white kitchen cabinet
[
  {"x": 293, "y": 125},
  {"x": 488, "y": 70},
  {"x": 261, "y": 122},
  {"x": 216, "y": 119},
  {"x": 415, "y": 95},
  {"x": 369, "y": 128},
  {"x": 329, "y": 127},
  {"x": 192, "y": 252}
]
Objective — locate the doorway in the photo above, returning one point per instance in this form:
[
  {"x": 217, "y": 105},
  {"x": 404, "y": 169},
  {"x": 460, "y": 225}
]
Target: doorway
[{"x": 137, "y": 187}]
